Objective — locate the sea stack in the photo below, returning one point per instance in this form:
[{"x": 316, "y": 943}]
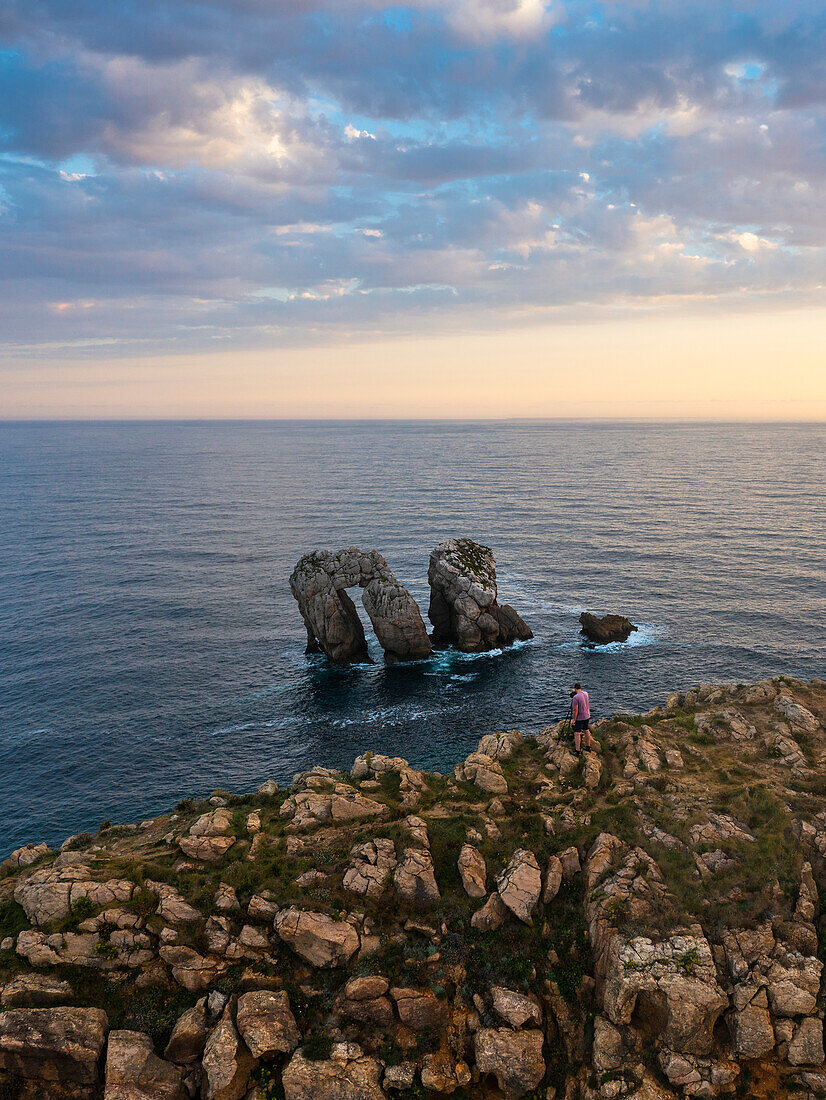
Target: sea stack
[{"x": 463, "y": 600}]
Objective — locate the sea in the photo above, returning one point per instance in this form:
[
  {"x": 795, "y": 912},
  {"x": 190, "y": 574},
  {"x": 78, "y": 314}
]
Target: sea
[{"x": 151, "y": 650}]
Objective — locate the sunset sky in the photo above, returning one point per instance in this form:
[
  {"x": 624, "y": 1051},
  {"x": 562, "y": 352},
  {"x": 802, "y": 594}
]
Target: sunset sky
[{"x": 444, "y": 208}]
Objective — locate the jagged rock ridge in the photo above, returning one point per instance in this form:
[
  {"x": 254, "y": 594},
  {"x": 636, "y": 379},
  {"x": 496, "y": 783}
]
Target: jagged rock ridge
[{"x": 642, "y": 923}]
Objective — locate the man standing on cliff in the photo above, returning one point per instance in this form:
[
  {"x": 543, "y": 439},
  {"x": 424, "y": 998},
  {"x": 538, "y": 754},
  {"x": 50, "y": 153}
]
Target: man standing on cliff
[{"x": 581, "y": 716}]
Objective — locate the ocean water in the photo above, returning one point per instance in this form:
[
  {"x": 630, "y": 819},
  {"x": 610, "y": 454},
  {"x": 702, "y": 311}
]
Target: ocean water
[{"x": 150, "y": 647}]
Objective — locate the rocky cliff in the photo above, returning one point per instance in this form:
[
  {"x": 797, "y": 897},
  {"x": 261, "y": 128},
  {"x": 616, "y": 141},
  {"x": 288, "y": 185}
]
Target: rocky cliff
[{"x": 643, "y": 922}]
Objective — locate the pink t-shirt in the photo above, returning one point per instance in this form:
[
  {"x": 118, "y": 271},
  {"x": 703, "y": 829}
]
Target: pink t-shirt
[{"x": 582, "y": 706}]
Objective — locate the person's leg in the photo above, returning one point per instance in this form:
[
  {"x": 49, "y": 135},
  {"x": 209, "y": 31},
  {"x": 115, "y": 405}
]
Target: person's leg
[
  {"x": 577, "y": 738},
  {"x": 588, "y": 736}
]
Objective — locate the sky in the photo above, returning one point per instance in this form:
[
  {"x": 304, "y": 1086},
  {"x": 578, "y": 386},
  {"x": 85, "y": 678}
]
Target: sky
[{"x": 230, "y": 208}]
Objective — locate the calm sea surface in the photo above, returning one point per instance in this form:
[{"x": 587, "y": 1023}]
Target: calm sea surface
[{"x": 150, "y": 647}]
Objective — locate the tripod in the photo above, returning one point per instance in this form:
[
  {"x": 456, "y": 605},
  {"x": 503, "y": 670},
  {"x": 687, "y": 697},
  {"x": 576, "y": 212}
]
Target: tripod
[{"x": 567, "y": 729}]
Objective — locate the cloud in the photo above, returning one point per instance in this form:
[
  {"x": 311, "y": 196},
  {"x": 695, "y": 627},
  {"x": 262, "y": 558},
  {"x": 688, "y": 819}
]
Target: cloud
[{"x": 186, "y": 174}]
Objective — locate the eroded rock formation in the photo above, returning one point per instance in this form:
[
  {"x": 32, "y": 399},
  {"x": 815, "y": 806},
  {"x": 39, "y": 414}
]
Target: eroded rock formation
[
  {"x": 463, "y": 600},
  {"x": 319, "y": 583}
]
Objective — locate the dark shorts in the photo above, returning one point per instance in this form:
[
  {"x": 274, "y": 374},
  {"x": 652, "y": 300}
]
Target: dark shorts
[{"x": 581, "y": 725}]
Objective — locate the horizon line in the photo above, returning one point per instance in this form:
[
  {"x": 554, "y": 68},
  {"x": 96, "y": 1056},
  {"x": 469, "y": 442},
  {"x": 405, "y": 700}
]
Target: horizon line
[{"x": 124, "y": 420}]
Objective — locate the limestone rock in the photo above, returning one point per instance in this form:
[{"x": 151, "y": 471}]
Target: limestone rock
[
  {"x": 484, "y": 772},
  {"x": 319, "y": 582},
  {"x": 53, "y": 1044},
  {"x": 189, "y": 1035},
  {"x": 261, "y": 908},
  {"x": 569, "y": 861},
  {"x": 310, "y": 808},
  {"x": 27, "y": 855},
  {"x": 134, "y": 1072},
  {"x": 227, "y": 1063},
  {"x": 608, "y": 1049},
  {"x": 796, "y": 715},
  {"x": 751, "y": 1030},
  {"x": 226, "y": 900},
  {"x": 463, "y": 599},
  {"x": 171, "y": 906},
  {"x": 520, "y": 884},
  {"x": 473, "y": 871},
  {"x": 513, "y": 1057},
  {"x": 400, "y": 1077},
  {"x": 267, "y": 1024},
  {"x": 500, "y": 746},
  {"x": 806, "y": 1048},
  {"x": 348, "y": 1074},
  {"x": 553, "y": 880},
  {"x": 34, "y": 991},
  {"x": 516, "y": 1009},
  {"x": 672, "y": 982},
  {"x": 209, "y": 849},
  {"x": 414, "y": 878},
  {"x": 491, "y": 916},
  {"x": 317, "y": 938},
  {"x": 371, "y": 865},
  {"x": 418, "y": 1009},
  {"x": 610, "y": 628},
  {"x": 189, "y": 969},
  {"x": 441, "y": 1074},
  {"x": 364, "y": 999},
  {"x": 47, "y": 894}
]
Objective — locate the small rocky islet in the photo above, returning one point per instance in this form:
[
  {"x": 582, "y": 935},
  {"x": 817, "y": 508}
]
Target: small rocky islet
[{"x": 639, "y": 922}]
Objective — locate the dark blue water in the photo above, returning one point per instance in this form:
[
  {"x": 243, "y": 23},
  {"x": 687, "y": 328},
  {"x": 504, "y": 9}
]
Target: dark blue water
[{"x": 150, "y": 647}]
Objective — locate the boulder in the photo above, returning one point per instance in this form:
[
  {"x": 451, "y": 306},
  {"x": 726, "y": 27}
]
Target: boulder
[
  {"x": 189, "y": 969},
  {"x": 227, "y": 1062},
  {"x": 473, "y": 871},
  {"x": 348, "y": 1074},
  {"x": 364, "y": 999},
  {"x": 418, "y": 1009},
  {"x": 57, "y": 1045},
  {"x": 319, "y": 582},
  {"x": 134, "y": 1071},
  {"x": 208, "y": 849},
  {"x": 266, "y": 1023},
  {"x": 491, "y": 916},
  {"x": 514, "y": 1058},
  {"x": 172, "y": 908},
  {"x": 484, "y": 772},
  {"x": 189, "y": 1035},
  {"x": 553, "y": 880},
  {"x": 520, "y": 884},
  {"x": 400, "y": 1077},
  {"x": 34, "y": 991},
  {"x": 610, "y": 628},
  {"x": 441, "y": 1074},
  {"x": 317, "y": 938},
  {"x": 516, "y": 1009},
  {"x": 797, "y": 716},
  {"x": 464, "y": 609},
  {"x": 752, "y": 1034},
  {"x": 806, "y": 1048},
  {"x": 415, "y": 880}
]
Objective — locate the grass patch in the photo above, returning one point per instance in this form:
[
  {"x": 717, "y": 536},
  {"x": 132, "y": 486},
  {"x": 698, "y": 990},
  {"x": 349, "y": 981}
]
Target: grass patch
[{"x": 13, "y": 919}]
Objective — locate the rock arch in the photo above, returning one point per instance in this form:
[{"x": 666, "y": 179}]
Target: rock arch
[{"x": 319, "y": 583}]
